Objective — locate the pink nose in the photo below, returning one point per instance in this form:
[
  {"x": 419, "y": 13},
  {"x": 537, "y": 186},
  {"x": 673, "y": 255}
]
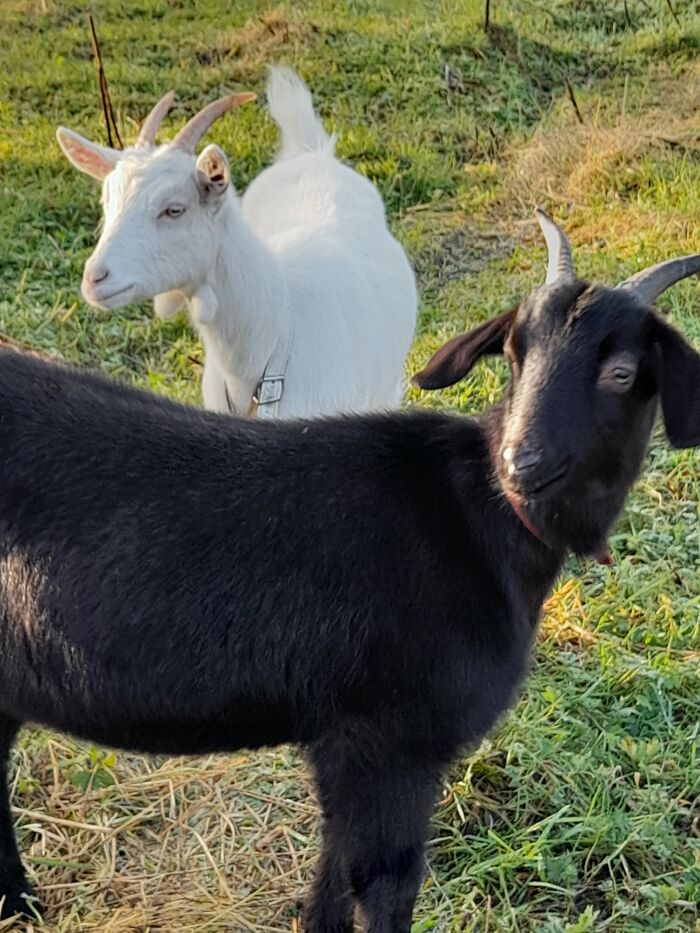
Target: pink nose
[{"x": 96, "y": 275}]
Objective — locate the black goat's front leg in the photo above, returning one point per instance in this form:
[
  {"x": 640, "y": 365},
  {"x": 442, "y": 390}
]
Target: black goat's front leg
[
  {"x": 330, "y": 907},
  {"x": 380, "y": 804},
  {"x": 14, "y": 887},
  {"x": 385, "y": 847}
]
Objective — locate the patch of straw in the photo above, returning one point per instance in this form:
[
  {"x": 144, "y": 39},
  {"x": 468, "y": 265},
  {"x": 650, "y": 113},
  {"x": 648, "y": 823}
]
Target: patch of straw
[
  {"x": 223, "y": 844},
  {"x": 574, "y": 163}
]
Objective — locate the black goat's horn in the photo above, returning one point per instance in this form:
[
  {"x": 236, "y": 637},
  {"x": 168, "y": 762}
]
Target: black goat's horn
[
  {"x": 560, "y": 264},
  {"x": 648, "y": 284}
]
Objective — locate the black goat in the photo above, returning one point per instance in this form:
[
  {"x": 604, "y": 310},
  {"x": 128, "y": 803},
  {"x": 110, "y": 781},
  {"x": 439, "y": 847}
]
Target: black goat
[{"x": 176, "y": 581}]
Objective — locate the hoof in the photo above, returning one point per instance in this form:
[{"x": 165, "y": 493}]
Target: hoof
[
  {"x": 20, "y": 905},
  {"x": 17, "y": 898},
  {"x": 315, "y": 921}
]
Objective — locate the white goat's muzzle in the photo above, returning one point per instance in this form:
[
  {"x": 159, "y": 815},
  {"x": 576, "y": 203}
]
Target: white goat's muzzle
[{"x": 101, "y": 289}]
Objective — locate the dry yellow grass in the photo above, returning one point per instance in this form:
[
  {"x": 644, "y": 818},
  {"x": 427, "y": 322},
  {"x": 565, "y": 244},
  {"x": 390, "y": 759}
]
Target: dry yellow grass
[
  {"x": 217, "y": 845},
  {"x": 250, "y": 48},
  {"x": 566, "y": 162}
]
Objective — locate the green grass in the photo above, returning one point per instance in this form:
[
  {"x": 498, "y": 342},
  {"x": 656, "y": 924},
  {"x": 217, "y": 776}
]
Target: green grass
[{"x": 582, "y": 811}]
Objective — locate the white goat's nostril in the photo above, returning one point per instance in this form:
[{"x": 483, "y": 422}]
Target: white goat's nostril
[
  {"x": 508, "y": 453},
  {"x": 97, "y": 276}
]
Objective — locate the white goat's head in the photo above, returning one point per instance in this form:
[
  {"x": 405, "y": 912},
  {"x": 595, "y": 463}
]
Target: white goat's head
[{"x": 160, "y": 207}]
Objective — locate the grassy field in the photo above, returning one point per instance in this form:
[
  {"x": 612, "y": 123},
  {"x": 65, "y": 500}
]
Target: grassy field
[{"x": 582, "y": 812}]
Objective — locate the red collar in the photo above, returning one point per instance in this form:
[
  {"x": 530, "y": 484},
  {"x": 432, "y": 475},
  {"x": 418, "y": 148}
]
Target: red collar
[
  {"x": 524, "y": 519},
  {"x": 602, "y": 557}
]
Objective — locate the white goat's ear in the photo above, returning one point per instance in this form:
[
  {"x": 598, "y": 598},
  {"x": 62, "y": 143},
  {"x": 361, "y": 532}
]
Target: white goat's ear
[
  {"x": 213, "y": 173},
  {"x": 91, "y": 158}
]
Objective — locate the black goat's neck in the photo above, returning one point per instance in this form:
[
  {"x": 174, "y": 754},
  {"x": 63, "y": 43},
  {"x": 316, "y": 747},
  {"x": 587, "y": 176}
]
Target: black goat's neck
[
  {"x": 521, "y": 561},
  {"x": 533, "y": 564}
]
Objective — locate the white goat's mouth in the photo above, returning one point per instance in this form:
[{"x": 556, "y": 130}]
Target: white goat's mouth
[{"x": 106, "y": 300}]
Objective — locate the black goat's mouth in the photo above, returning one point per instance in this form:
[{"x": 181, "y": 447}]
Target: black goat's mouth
[
  {"x": 526, "y": 500},
  {"x": 549, "y": 484},
  {"x": 529, "y": 493}
]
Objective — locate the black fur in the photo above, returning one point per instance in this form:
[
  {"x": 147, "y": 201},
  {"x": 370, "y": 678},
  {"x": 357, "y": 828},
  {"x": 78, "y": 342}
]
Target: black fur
[{"x": 181, "y": 582}]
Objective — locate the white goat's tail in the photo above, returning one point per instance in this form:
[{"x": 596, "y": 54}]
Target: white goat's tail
[{"x": 292, "y": 109}]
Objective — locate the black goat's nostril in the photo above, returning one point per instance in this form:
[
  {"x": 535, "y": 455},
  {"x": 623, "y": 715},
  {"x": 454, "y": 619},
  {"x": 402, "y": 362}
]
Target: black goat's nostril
[
  {"x": 521, "y": 461},
  {"x": 530, "y": 472}
]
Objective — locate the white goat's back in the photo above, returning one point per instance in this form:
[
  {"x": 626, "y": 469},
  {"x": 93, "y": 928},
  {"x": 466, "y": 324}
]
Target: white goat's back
[
  {"x": 351, "y": 290},
  {"x": 292, "y": 109}
]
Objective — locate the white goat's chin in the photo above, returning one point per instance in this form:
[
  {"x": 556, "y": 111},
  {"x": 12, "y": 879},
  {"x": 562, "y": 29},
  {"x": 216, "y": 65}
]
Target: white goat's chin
[{"x": 109, "y": 298}]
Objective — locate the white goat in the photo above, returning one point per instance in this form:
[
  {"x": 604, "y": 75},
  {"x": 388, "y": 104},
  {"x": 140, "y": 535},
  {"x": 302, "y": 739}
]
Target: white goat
[{"x": 304, "y": 301}]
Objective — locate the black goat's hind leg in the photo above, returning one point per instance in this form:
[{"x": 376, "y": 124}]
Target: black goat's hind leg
[{"x": 16, "y": 895}]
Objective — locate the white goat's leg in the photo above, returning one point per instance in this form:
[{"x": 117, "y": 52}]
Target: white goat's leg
[{"x": 214, "y": 387}]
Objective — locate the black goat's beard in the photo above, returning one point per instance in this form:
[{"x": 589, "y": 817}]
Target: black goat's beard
[
  {"x": 566, "y": 520},
  {"x": 577, "y": 516},
  {"x": 567, "y": 523}
]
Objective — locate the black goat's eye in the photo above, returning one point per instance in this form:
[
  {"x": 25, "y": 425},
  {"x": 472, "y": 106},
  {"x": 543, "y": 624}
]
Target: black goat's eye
[
  {"x": 618, "y": 375},
  {"x": 623, "y": 376}
]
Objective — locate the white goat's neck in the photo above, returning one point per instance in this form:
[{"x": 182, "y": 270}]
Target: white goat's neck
[{"x": 239, "y": 307}]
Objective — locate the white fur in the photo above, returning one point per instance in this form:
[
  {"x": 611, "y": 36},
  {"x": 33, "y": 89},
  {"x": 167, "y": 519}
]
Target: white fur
[{"x": 309, "y": 239}]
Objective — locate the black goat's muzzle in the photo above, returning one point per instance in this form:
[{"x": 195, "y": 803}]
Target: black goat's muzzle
[{"x": 528, "y": 474}]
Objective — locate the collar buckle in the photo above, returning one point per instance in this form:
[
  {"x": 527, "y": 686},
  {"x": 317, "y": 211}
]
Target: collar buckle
[{"x": 269, "y": 390}]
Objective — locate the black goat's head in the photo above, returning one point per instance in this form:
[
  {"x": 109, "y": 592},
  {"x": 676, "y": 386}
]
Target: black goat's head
[{"x": 588, "y": 366}]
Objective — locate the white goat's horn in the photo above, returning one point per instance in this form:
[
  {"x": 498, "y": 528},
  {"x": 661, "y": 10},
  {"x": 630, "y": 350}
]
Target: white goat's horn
[
  {"x": 648, "y": 284},
  {"x": 147, "y": 134},
  {"x": 194, "y": 129},
  {"x": 560, "y": 262}
]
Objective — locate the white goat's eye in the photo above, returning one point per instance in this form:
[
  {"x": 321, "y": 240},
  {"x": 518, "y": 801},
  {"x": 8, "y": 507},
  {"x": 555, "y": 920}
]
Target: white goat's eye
[{"x": 173, "y": 211}]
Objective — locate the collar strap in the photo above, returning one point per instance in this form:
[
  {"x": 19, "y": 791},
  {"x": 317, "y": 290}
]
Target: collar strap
[
  {"x": 269, "y": 390},
  {"x": 268, "y": 393},
  {"x": 524, "y": 519}
]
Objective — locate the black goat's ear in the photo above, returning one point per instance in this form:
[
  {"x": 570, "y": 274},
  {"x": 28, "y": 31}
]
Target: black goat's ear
[
  {"x": 454, "y": 359},
  {"x": 678, "y": 373}
]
